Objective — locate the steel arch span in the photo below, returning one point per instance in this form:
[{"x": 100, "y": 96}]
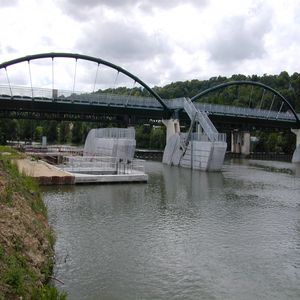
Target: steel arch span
[
  {"x": 252, "y": 83},
  {"x": 99, "y": 61}
]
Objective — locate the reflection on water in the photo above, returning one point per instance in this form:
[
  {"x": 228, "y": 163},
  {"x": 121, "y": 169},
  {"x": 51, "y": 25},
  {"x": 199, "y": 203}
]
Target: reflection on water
[{"x": 184, "y": 235}]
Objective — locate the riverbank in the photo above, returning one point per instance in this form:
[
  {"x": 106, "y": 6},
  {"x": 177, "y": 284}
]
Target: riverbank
[{"x": 26, "y": 240}]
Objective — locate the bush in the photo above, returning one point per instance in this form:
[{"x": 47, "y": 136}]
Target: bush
[{"x": 48, "y": 293}]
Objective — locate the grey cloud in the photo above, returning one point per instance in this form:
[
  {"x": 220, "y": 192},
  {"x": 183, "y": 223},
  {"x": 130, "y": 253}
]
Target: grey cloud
[
  {"x": 7, "y": 49},
  {"x": 240, "y": 38},
  {"x": 149, "y": 5},
  {"x": 152, "y": 72},
  {"x": 122, "y": 42},
  {"x": 7, "y": 3},
  {"x": 82, "y": 10}
]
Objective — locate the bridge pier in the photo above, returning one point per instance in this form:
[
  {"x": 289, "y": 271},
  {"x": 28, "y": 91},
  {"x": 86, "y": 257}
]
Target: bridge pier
[
  {"x": 201, "y": 150},
  {"x": 296, "y": 155},
  {"x": 173, "y": 127},
  {"x": 240, "y": 142}
]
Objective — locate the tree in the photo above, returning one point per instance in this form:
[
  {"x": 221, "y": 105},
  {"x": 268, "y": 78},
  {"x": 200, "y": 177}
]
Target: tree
[
  {"x": 142, "y": 136},
  {"x": 64, "y": 132},
  {"x": 51, "y": 131},
  {"x": 157, "y": 138},
  {"x": 77, "y": 133},
  {"x": 38, "y": 133}
]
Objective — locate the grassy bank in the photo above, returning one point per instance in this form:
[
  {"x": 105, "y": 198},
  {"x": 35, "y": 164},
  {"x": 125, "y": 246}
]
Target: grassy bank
[{"x": 26, "y": 240}]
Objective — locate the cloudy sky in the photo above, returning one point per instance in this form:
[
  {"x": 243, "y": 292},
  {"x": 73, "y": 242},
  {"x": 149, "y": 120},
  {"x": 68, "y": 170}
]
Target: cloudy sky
[{"x": 160, "y": 41}]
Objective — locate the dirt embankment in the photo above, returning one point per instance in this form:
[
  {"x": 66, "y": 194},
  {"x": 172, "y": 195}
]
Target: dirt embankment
[{"x": 26, "y": 241}]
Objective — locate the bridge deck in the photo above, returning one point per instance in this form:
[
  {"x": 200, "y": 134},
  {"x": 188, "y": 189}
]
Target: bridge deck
[{"x": 20, "y": 99}]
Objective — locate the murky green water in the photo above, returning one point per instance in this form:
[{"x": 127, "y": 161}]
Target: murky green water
[{"x": 184, "y": 235}]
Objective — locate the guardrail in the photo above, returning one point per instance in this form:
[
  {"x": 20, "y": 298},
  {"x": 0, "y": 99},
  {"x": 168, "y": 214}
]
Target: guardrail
[
  {"x": 197, "y": 136},
  {"x": 103, "y": 164},
  {"x": 56, "y": 95}
]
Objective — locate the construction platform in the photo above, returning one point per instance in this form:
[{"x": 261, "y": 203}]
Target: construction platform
[
  {"x": 110, "y": 178},
  {"x": 47, "y": 174}
]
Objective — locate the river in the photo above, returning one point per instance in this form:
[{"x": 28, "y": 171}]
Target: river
[{"x": 184, "y": 235}]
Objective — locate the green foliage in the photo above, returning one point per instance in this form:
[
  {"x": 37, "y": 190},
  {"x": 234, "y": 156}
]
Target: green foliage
[
  {"x": 157, "y": 138},
  {"x": 7, "y": 195},
  {"x": 47, "y": 292},
  {"x": 142, "y": 135},
  {"x": 148, "y": 137},
  {"x": 18, "y": 278},
  {"x": 288, "y": 86},
  {"x": 279, "y": 142},
  {"x": 11, "y": 153},
  {"x": 51, "y": 131},
  {"x": 77, "y": 132},
  {"x": 47, "y": 268},
  {"x": 15, "y": 274},
  {"x": 51, "y": 238},
  {"x": 8, "y": 130},
  {"x": 38, "y": 133},
  {"x": 64, "y": 132},
  {"x": 20, "y": 183}
]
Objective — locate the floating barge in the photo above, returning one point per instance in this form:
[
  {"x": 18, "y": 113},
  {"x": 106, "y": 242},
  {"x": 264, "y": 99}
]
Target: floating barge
[{"x": 95, "y": 169}]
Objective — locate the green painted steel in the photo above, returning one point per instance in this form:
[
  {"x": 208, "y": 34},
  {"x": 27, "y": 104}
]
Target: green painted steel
[
  {"x": 165, "y": 111},
  {"x": 245, "y": 82},
  {"x": 92, "y": 59}
]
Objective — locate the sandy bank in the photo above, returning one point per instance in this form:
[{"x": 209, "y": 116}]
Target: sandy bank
[{"x": 43, "y": 172}]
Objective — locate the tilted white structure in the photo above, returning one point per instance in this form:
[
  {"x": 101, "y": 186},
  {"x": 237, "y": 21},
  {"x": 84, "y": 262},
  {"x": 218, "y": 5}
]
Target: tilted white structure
[
  {"x": 202, "y": 150},
  {"x": 296, "y": 155}
]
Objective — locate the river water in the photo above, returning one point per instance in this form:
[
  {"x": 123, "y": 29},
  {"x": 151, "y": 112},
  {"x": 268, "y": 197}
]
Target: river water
[{"x": 184, "y": 235}]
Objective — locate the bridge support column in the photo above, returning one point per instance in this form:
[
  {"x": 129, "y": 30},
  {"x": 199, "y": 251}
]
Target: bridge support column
[
  {"x": 240, "y": 142},
  {"x": 296, "y": 155},
  {"x": 173, "y": 127}
]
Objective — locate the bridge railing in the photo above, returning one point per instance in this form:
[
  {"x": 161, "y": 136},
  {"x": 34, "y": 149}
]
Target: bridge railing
[
  {"x": 244, "y": 111},
  {"x": 197, "y": 136},
  {"x": 219, "y": 109},
  {"x": 58, "y": 95}
]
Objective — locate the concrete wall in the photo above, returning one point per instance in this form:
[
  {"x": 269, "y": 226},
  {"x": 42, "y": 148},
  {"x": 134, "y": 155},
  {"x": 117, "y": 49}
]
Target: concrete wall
[{"x": 199, "y": 155}]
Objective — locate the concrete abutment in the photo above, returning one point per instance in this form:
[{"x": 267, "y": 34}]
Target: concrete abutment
[
  {"x": 296, "y": 155},
  {"x": 240, "y": 142},
  {"x": 173, "y": 126}
]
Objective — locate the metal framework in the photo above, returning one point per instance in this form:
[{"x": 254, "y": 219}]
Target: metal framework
[
  {"x": 87, "y": 58},
  {"x": 252, "y": 83}
]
